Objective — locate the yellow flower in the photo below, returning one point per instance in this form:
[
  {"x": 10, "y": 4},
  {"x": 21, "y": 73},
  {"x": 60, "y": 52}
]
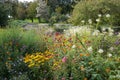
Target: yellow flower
[
  {"x": 90, "y": 63},
  {"x": 38, "y": 58},
  {"x": 31, "y": 65},
  {"x": 82, "y": 68}
]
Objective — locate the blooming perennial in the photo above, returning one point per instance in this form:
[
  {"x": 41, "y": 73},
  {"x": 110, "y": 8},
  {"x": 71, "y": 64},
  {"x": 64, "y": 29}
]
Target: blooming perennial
[
  {"x": 100, "y": 51},
  {"x": 90, "y": 49},
  {"x": 37, "y": 59},
  {"x": 107, "y": 15},
  {"x": 99, "y": 15},
  {"x": 109, "y": 55}
]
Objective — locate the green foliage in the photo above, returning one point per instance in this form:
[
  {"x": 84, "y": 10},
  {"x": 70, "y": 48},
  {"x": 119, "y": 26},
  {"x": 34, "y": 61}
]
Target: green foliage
[
  {"x": 17, "y": 23},
  {"x": 57, "y": 18},
  {"x": 3, "y": 14},
  {"x": 66, "y": 5},
  {"x": 86, "y": 10}
]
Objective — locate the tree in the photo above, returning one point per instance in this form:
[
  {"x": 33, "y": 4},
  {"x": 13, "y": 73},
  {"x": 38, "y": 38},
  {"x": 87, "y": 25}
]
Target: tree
[
  {"x": 89, "y": 9},
  {"x": 14, "y": 6},
  {"x": 42, "y": 10},
  {"x": 21, "y": 11},
  {"x": 3, "y": 14},
  {"x": 66, "y": 5},
  {"x": 31, "y": 10}
]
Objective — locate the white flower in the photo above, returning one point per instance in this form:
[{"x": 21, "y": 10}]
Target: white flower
[
  {"x": 109, "y": 55},
  {"x": 111, "y": 48},
  {"x": 110, "y": 30},
  {"x": 98, "y": 20},
  {"x": 83, "y": 21},
  {"x": 107, "y": 15},
  {"x": 90, "y": 21},
  {"x": 103, "y": 29},
  {"x": 90, "y": 49},
  {"x": 118, "y": 35},
  {"x": 96, "y": 32},
  {"x": 99, "y": 15},
  {"x": 100, "y": 51},
  {"x": 111, "y": 34},
  {"x": 73, "y": 46}
]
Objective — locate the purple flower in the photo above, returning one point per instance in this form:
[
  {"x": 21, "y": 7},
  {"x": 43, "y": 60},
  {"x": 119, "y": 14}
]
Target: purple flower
[{"x": 117, "y": 42}]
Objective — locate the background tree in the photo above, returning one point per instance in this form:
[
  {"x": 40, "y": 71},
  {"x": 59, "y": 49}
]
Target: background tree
[
  {"x": 89, "y": 9},
  {"x": 3, "y": 14},
  {"x": 14, "y": 6},
  {"x": 21, "y": 11},
  {"x": 66, "y": 5},
  {"x": 31, "y": 10},
  {"x": 42, "y": 10}
]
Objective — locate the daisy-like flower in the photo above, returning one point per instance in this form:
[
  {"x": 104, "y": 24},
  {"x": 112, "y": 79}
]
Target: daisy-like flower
[
  {"x": 96, "y": 32},
  {"x": 98, "y": 20},
  {"x": 90, "y": 21},
  {"x": 107, "y": 15},
  {"x": 99, "y": 15},
  {"x": 73, "y": 46},
  {"x": 111, "y": 48},
  {"x": 100, "y": 51},
  {"x": 103, "y": 29},
  {"x": 111, "y": 34},
  {"x": 110, "y": 30},
  {"x": 118, "y": 35},
  {"x": 90, "y": 49},
  {"x": 83, "y": 21},
  {"x": 109, "y": 55}
]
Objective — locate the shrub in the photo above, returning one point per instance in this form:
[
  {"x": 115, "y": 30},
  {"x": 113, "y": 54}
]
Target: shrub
[
  {"x": 14, "y": 44},
  {"x": 90, "y": 9},
  {"x": 55, "y": 18},
  {"x": 17, "y": 23}
]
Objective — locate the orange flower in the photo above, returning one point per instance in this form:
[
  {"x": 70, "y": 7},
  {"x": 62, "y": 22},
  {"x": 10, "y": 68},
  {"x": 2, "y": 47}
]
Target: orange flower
[
  {"x": 81, "y": 54},
  {"x": 8, "y": 52},
  {"x": 9, "y": 58},
  {"x": 87, "y": 54},
  {"x": 85, "y": 79}
]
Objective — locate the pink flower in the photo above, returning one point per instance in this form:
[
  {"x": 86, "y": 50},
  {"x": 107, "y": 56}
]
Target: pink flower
[
  {"x": 63, "y": 78},
  {"x": 64, "y": 59}
]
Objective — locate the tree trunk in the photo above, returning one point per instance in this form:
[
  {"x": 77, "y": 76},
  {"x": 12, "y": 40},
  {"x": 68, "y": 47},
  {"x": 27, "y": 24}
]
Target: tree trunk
[
  {"x": 32, "y": 20},
  {"x": 39, "y": 19}
]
